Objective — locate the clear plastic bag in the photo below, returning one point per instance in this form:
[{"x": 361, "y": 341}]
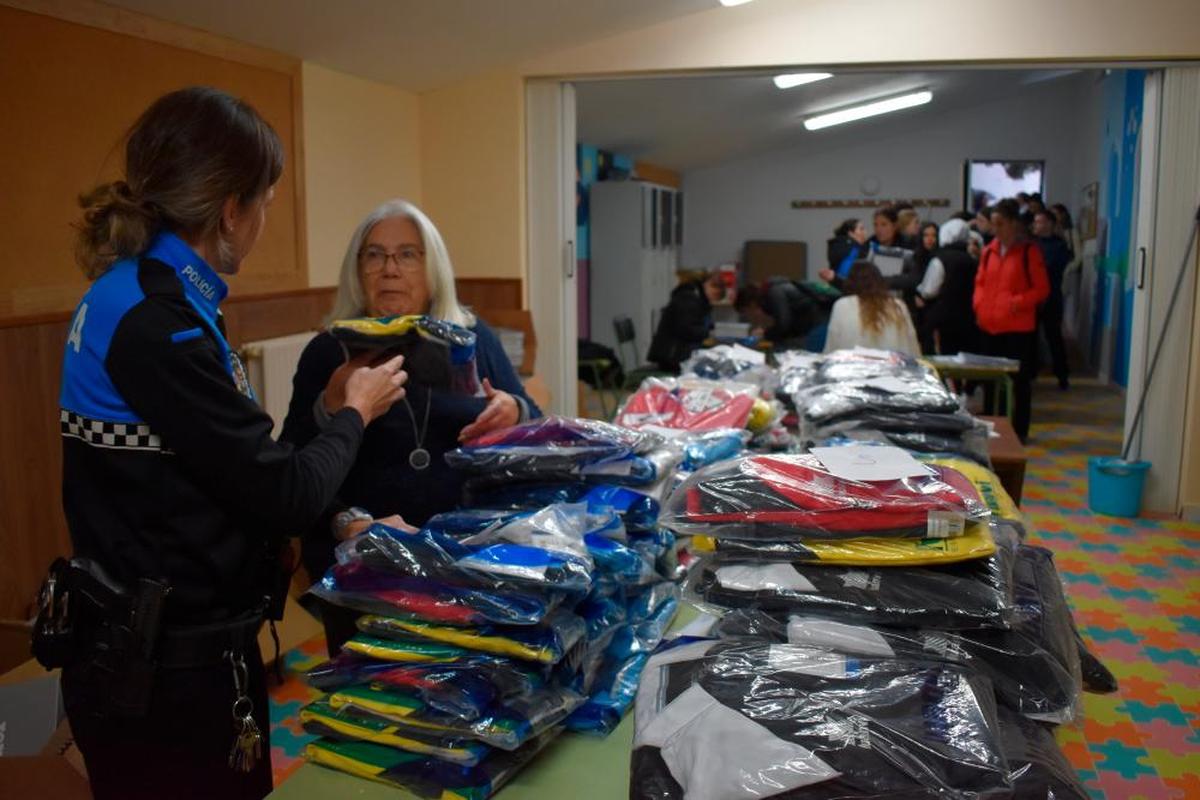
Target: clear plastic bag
[
  {"x": 795, "y": 497},
  {"x": 1027, "y": 671},
  {"x": 1037, "y": 768},
  {"x": 533, "y": 553},
  {"x": 463, "y": 688},
  {"x": 694, "y": 404},
  {"x": 1043, "y": 616},
  {"x": 506, "y": 726},
  {"x": 642, "y": 471},
  {"x": 550, "y": 444},
  {"x": 424, "y": 776},
  {"x": 737, "y": 719},
  {"x": 726, "y": 362},
  {"x": 547, "y": 643},
  {"x": 976, "y": 542},
  {"x": 963, "y": 595},
  {"x": 824, "y": 404},
  {"x": 859, "y": 363},
  {"x": 644, "y": 618},
  {"x": 702, "y": 448},
  {"x": 613, "y": 692},
  {"x": 988, "y": 486},
  {"x": 637, "y": 510},
  {"x": 400, "y": 332},
  {"x": 322, "y": 719}
]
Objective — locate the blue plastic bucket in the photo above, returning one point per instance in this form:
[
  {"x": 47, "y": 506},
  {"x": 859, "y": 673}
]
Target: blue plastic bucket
[{"x": 1115, "y": 486}]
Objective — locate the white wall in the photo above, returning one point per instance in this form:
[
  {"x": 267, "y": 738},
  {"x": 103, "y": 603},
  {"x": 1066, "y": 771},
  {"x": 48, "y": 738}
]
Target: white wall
[{"x": 913, "y": 154}]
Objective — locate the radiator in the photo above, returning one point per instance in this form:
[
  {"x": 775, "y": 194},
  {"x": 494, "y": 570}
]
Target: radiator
[{"x": 270, "y": 364}]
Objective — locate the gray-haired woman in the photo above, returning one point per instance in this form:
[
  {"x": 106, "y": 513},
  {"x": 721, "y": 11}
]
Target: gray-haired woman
[{"x": 397, "y": 264}]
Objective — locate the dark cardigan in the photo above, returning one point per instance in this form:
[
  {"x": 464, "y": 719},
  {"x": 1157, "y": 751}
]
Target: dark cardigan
[{"x": 382, "y": 482}]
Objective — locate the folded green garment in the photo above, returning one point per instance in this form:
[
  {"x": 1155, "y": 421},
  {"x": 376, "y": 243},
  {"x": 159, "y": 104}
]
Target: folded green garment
[
  {"x": 505, "y": 725},
  {"x": 421, "y": 775},
  {"x": 548, "y": 643},
  {"x": 404, "y": 649},
  {"x": 322, "y": 719}
]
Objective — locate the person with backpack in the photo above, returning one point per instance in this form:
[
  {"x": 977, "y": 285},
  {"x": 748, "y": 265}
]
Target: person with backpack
[
  {"x": 1010, "y": 284},
  {"x": 686, "y": 321}
]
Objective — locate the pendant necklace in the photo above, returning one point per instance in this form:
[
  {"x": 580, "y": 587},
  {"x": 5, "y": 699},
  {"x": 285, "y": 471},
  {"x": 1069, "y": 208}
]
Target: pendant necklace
[{"x": 419, "y": 458}]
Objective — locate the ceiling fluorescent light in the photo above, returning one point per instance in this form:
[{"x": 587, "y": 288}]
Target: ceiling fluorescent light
[
  {"x": 868, "y": 110},
  {"x": 800, "y": 78},
  {"x": 728, "y": 3}
]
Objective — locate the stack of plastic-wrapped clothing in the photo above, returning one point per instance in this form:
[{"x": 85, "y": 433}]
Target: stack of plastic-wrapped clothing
[
  {"x": 872, "y": 395},
  {"x": 877, "y": 631},
  {"x": 482, "y": 637},
  {"x": 566, "y": 460},
  {"x": 690, "y": 406}
]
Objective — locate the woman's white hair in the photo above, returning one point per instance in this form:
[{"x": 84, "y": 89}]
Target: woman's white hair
[{"x": 351, "y": 300}]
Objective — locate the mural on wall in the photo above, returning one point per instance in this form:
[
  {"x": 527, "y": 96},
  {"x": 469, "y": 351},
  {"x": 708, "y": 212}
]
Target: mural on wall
[
  {"x": 591, "y": 165},
  {"x": 1111, "y": 328}
]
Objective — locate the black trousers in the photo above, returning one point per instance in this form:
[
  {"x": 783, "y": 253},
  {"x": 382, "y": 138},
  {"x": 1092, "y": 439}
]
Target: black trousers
[
  {"x": 1022, "y": 347},
  {"x": 180, "y": 749},
  {"x": 1050, "y": 320}
]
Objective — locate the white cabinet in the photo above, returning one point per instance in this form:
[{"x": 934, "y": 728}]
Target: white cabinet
[{"x": 635, "y": 237}]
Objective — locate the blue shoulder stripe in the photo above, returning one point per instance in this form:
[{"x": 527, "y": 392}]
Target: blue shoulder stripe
[{"x": 87, "y": 389}]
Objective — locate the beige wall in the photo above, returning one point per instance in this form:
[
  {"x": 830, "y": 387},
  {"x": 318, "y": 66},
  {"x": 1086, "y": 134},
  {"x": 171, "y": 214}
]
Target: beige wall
[
  {"x": 817, "y": 32},
  {"x": 361, "y": 147},
  {"x": 473, "y": 172}
]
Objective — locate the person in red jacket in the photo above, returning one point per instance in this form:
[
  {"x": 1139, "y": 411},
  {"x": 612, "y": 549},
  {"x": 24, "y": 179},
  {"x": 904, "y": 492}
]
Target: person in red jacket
[{"x": 1009, "y": 286}]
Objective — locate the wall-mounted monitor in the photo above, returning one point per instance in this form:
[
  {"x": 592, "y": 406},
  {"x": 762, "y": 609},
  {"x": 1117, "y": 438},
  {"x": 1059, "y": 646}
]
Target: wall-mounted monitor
[{"x": 987, "y": 180}]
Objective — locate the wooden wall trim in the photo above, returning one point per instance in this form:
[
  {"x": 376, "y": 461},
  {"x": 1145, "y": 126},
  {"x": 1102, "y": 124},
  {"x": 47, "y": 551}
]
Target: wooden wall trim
[
  {"x": 120, "y": 20},
  {"x": 52, "y": 317},
  {"x": 32, "y": 528}
]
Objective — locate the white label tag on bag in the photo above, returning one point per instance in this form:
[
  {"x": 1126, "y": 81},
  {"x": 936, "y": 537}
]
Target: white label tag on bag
[
  {"x": 866, "y": 462},
  {"x": 858, "y": 639},
  {"x": 763, "y": 577},
  {"x": 945, "y": 525},
  {"x": 806, "y": 661}
]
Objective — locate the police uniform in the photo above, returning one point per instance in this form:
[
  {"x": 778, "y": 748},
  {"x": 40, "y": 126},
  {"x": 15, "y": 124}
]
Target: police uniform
[{"x": 170, "y": 473}]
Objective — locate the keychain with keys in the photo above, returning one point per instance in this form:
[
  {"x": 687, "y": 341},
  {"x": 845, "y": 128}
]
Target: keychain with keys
[{"x": 247, "y": 744}]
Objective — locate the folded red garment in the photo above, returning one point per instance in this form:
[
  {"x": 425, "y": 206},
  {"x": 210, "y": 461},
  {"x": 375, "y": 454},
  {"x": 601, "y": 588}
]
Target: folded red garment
[
  {"x": 797, "y": 492},
  {"x": 686, "y": 408}
]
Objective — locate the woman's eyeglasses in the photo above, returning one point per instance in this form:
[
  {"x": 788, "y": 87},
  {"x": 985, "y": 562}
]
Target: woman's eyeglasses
[{"x": 374, "y": 260}]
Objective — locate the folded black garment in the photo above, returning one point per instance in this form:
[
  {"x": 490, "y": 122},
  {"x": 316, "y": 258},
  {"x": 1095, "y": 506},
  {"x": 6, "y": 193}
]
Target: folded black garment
[
  {"x": 915, "y": 421},
  {"x": 738, "y": 719},
  {"x": 963, "y": 595},
  {"x": 821, "y": 405},
  {"x": 1028, "y": 677},
  {"x": 1037, "y": 768}
]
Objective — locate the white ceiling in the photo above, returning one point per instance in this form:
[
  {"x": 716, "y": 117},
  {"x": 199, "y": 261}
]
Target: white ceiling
[
  {"x": 687, "y": 123},
  {"x": 416, "y": 44}
]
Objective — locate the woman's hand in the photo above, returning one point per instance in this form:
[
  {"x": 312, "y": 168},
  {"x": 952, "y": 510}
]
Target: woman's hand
[
  {"x": 372, "y": 390},
  {"x": 334, "y": 396},
  {"x": 502, "y": 411},
  {"x": 352, "y": 529},
  {"x": 827, "y": 275}
]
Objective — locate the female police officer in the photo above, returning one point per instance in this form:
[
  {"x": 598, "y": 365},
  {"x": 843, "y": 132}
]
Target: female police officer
[{"x": 173, "y": 488}]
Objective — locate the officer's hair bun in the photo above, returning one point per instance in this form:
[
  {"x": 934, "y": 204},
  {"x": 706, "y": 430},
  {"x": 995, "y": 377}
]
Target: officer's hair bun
[{"x": 116, "y": 223}]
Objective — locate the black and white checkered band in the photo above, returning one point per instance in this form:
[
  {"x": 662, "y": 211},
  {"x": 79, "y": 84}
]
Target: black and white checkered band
[{"x": 112, "y": 435}]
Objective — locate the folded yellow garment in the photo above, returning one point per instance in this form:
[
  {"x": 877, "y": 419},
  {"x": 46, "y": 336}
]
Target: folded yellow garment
[
  {"x": 327, "y": 719},
  {"x": 976, "y": 542},
  {"x": 986, "y": 482},
  {"x": 481, "y": 639},
  {"x": 381, "y": 326}
]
